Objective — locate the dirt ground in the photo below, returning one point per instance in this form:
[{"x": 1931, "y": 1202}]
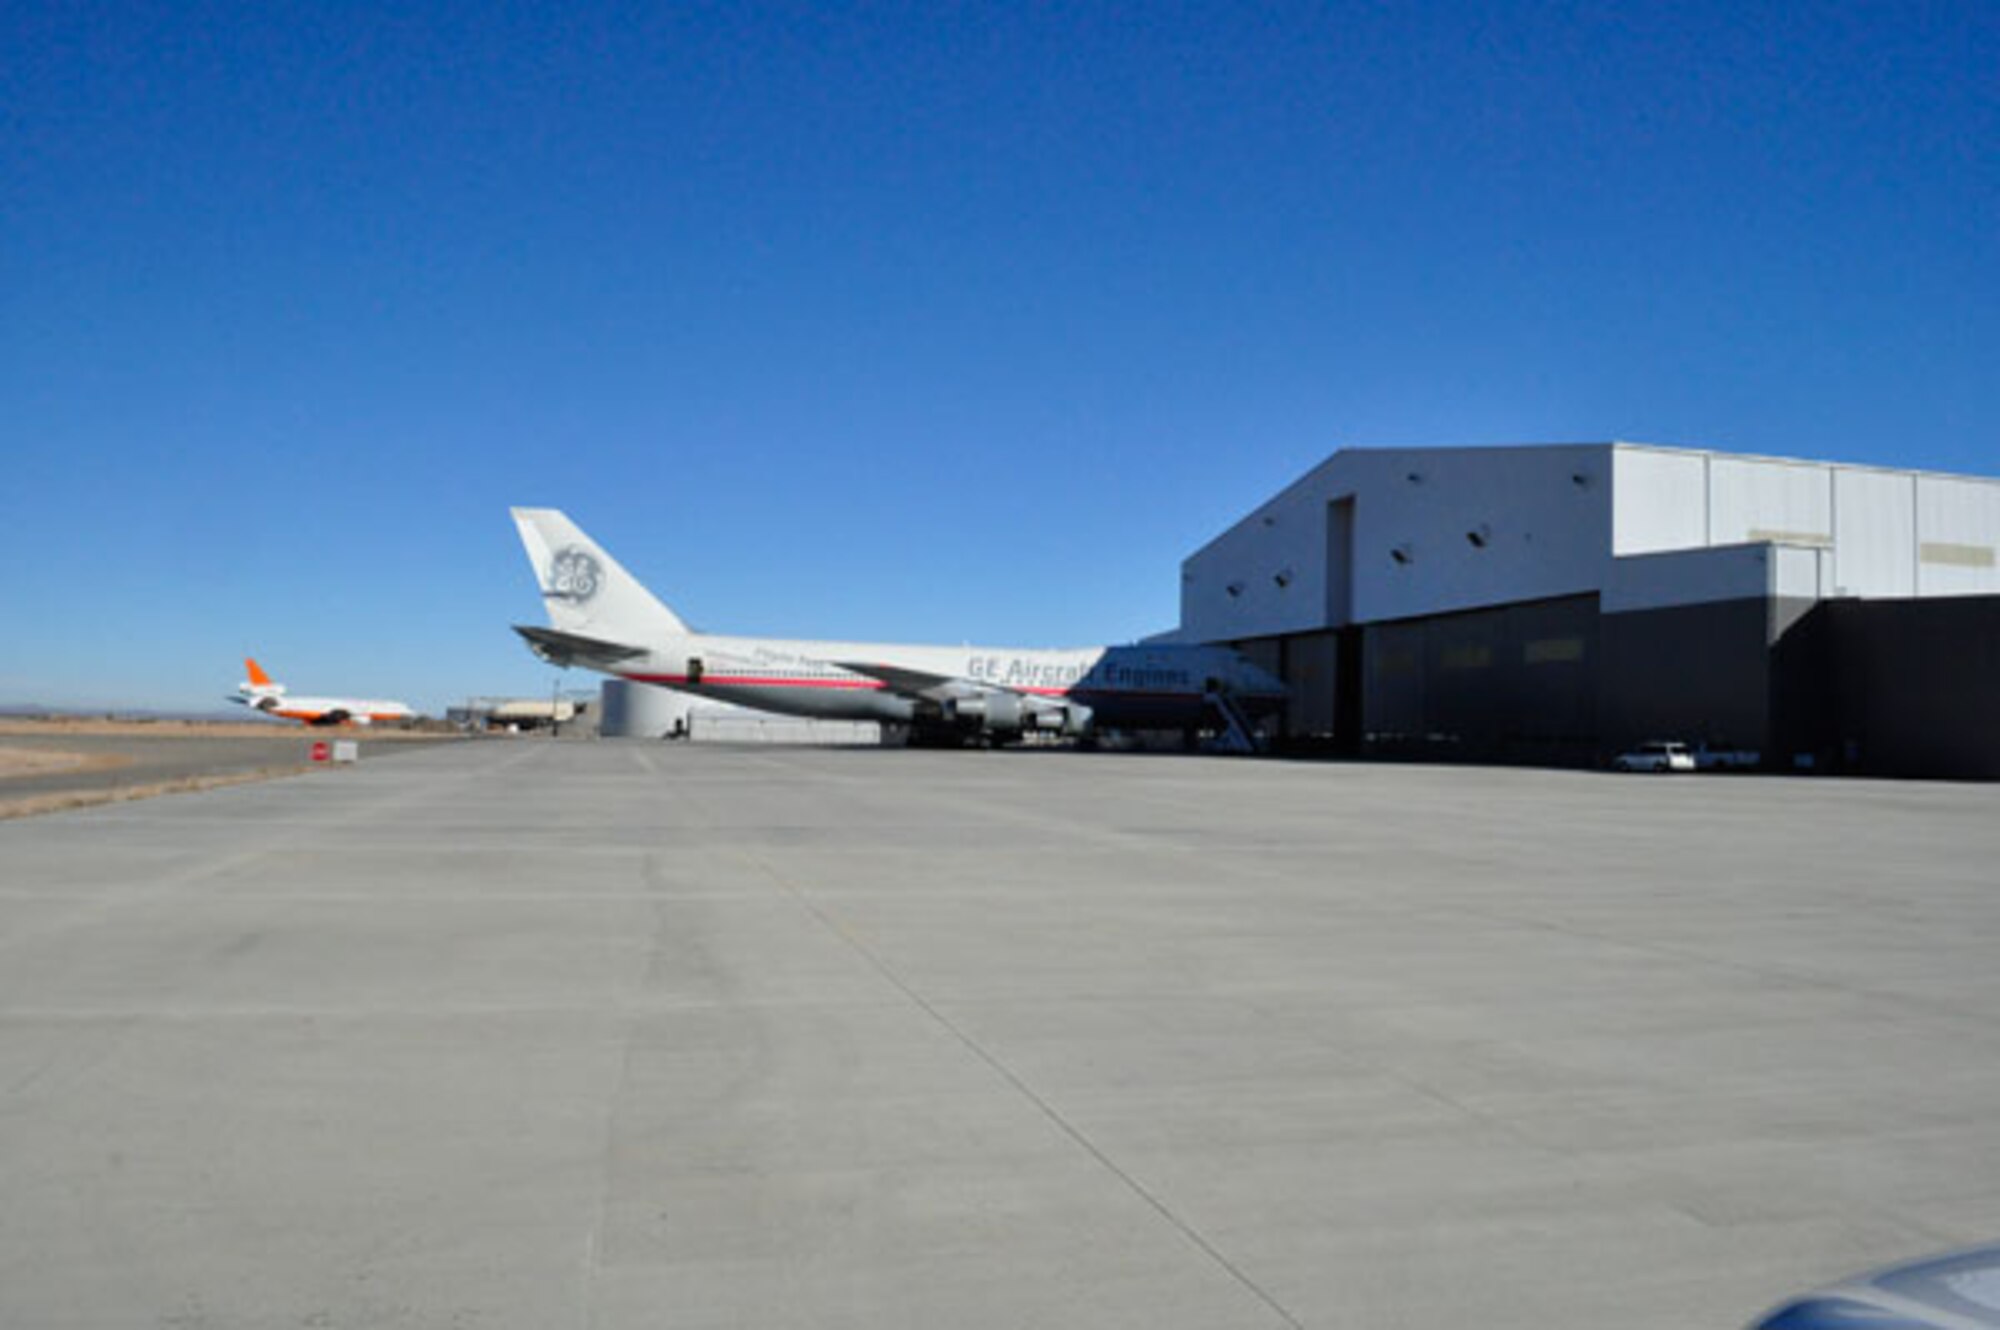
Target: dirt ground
[
  {"x": 57, "y": 726},
  {"x": 39, "y": 761},
  {"x": 73, "y": 762}
]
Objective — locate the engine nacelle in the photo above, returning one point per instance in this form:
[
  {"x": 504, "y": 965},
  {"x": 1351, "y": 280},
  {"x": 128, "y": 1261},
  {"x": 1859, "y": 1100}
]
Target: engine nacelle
[
  {"x": 1000, "y": 713},
  {"x": 1065, "y": 718},
  {"x": 1013, "y": 714}
]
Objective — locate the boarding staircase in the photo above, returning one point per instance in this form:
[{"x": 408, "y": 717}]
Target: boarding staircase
[{"x": 1235, "y": 736}]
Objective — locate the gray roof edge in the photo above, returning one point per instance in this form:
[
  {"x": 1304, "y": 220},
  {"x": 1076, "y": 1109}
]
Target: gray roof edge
[{"x": 1778, "y": 460}]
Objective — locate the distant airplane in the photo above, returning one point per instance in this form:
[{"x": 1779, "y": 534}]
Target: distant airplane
[
  {"x": 259, "y": 694},
  {"x": 604, "y": 619}
]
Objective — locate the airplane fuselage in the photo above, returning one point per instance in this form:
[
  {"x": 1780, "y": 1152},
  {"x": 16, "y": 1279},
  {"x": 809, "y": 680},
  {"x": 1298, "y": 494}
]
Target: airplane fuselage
[
  {"x": 325, "y": 710},
  {"x": 260, "y": 692},
  {"x": 1130, "y": 687}
]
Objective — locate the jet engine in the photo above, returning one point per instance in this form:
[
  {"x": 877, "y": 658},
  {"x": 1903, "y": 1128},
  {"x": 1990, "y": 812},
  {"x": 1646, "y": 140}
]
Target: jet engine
[
  {"x": 999, "y": 713},
  {"x": 1008, "y": 715},
  {"x": 1065, "y": 718}
]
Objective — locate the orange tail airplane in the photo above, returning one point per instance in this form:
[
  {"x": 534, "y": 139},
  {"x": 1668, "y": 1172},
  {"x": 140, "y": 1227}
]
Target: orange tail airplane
[{"x": 259, "y": 693}]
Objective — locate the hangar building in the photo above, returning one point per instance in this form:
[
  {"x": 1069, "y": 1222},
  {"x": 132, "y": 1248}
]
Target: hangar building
[{"x": 1559, "y": 603}]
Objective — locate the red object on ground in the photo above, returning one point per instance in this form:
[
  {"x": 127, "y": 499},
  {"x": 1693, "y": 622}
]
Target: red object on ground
[{"x": 321, "y": 752}]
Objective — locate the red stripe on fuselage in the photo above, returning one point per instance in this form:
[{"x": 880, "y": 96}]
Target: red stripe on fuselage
[
  {"x": 709, "y": 679},
  {"x": 754, "y": 681}
]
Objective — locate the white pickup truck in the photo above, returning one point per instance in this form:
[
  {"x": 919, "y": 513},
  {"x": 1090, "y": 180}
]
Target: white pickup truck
[{"x": 1656, "y": 755}]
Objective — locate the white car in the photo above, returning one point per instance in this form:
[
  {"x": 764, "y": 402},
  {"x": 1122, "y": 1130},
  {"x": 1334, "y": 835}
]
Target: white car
[
  {"x": 1659, "y": 755},
  {"x": 1958, "y": 1291}
]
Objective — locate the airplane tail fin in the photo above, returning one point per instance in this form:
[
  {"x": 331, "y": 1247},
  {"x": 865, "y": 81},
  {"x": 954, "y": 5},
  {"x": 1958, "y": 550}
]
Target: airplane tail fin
[
  {"x": 586, "y": 591},
  {"x": 257, "y": 689}
]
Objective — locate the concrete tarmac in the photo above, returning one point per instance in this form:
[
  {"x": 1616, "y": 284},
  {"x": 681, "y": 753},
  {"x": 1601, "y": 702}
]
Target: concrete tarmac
[{"x": 618, "y": 1035}]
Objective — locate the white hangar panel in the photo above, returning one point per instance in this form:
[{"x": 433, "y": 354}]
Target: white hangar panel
[
  {"x": 1263, "y": 576},
  {"x": 1958, "y": 536},
  {"x": 1875, "y": 533},
  {"x": 1436, "y": 530},
  {"x": 1751, "y": 498},
  {"x": 1393, "y": 533},
  {"x": 1659, "y": 500},
  {"x": 1801, "y": 572}
]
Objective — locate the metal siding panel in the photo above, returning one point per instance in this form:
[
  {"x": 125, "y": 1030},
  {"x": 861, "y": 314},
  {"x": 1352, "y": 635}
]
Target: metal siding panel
[
  {"x": 1312, "y": 671},
  {"x": 1798, "y": 574},
  {"x": 1916, "y": 694},
  {"x": 1753, "y": 499},
  {"x": 1659, "y": 501},
  {"x": 1232, "y": 590},
  {"x": 1556, "y": 692},
  {"x": 1958, "y": 537},
  {"x": 1687, "y": 672},
  {"x": 1542, "y": 513},
  {"x": 1540, "y": 532},
  {"x": 1393, "y": 688},
  {"x": 1875, "y": 535},
  {"x": 1686, "y": 577},
  {"x": 1473, "y": 685}
]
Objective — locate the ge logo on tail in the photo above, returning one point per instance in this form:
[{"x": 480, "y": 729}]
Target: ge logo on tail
[{"x": 574, "y": 575}]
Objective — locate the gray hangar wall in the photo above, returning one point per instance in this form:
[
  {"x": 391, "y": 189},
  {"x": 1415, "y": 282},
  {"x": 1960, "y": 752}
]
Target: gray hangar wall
[
  {"x": 1514, "y": 681},
  {"x": 1552, "y": 682},
  {"x": 1893, "y": 687},
  {"x": 1901, "y": 688}
]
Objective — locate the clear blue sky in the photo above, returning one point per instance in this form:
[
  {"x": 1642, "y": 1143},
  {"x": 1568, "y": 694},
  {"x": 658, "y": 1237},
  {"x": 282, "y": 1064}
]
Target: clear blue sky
[{"x": 908, "y": 322}]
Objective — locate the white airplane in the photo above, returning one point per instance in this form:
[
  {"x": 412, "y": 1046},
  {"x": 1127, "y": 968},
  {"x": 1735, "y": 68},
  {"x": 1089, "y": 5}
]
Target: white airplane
[
  {"x": 260, "y": 694},
  {"x": 603, "y": 619}
]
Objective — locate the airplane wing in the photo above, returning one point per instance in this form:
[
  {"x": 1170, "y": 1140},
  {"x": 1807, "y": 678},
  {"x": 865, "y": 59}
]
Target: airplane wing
[
  {"x": 914, "y": 683},
  {"x": 955, "y": 699},
  {"x": 565, "y": 649}
]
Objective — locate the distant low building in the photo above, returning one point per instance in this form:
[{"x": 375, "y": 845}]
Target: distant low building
[{"x": 519, "y": 713}]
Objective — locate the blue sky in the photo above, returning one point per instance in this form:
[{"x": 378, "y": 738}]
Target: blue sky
[{"x": 916, "y": 322}]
